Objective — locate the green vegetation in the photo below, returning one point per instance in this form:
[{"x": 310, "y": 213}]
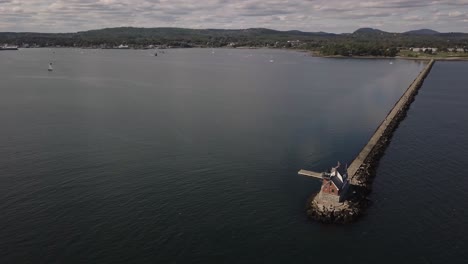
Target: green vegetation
[
  {"x": 437, "y": 54},
  {"x": 363, "y": 42},
  {"x": 177, "y": 37},
  {"x": 358, "y": 49}
]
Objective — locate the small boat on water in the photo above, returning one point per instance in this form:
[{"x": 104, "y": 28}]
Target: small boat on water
[
  {"x": 6, "y": 47},
  {"x": 50, "y": 67}
]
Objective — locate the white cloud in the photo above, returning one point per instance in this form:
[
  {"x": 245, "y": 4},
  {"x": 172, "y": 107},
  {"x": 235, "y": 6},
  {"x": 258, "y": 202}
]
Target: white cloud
[{"x": 307, "y": 15}]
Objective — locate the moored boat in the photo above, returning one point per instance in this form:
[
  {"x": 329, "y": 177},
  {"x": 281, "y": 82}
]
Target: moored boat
[{"x": 9, "y": 47}]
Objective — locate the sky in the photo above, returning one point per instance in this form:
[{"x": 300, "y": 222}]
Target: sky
[{"x": 337, "y": 16}]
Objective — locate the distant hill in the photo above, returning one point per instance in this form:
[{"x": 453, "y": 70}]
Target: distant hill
[
  {"x": 423, "y": 31},
  {"x": 168, "y": 32},
  {"x": 369, "y": 31},
  {"x": 361, "y": 39},
  {"x": 176, "y": 37}
]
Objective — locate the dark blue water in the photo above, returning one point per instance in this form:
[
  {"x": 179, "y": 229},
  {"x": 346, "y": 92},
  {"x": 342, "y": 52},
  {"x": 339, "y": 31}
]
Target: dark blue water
[
  {"x": 420, "y": 194},
  {"x": 192, "y": 157}
]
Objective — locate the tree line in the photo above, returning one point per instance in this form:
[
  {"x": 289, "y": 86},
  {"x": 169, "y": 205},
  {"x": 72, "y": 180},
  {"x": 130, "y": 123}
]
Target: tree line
[{"x": 360, "y": 43}]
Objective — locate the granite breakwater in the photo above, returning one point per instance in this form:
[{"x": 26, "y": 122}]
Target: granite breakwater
[{"x": 362, "y": 170}]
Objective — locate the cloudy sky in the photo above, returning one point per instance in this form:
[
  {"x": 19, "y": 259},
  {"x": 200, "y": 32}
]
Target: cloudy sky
[{"x": 307, "y": 15}]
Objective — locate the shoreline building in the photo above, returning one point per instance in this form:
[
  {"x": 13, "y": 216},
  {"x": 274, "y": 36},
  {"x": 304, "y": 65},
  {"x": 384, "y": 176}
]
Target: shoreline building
[{"x": 335, "y": 185}]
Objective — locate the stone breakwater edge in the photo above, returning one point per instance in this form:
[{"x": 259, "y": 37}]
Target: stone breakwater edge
[{"x": 362, "y": 170}]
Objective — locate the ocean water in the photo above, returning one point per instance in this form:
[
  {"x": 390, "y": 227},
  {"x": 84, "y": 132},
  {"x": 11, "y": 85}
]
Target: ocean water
[
  {"x": 118, "y": 156},
  {"x": 420, "y": 192}
]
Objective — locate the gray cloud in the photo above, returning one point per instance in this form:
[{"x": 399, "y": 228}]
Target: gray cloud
[{"x": 307, "y": 15}]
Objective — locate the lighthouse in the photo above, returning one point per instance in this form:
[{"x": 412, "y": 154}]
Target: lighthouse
[{"x": 335, "y": 184}]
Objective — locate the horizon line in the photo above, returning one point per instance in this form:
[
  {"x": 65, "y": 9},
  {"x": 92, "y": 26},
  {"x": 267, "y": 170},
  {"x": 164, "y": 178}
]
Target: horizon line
[{"x": 233, "y": 29}]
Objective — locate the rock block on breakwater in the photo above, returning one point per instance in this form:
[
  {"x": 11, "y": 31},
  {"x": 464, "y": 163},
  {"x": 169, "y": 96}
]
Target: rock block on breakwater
[{"x": 339, "y": 213}]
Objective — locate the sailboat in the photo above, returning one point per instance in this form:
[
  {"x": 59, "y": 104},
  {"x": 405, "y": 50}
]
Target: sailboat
[{"x": 50, "y": 67}]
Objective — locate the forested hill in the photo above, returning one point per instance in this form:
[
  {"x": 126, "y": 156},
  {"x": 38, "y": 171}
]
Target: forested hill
[
  {"x": 159, "y": 36},
  {"x": 361, "y": 39}
]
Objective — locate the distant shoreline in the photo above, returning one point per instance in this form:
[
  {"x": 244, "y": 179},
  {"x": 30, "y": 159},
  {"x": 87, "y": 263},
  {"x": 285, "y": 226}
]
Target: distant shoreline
[
  {"x": 396, "y": 57},
  {"x": 310, "y": 52}
]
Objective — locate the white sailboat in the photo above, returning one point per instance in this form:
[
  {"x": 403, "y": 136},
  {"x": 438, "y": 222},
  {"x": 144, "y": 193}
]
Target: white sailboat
[{"x": 50, "y": 67}]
